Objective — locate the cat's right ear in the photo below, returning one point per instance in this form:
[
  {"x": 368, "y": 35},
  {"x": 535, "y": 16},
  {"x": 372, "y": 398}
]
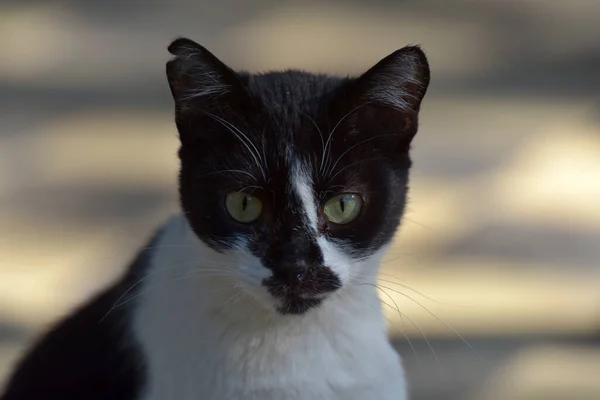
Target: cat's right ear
[
  {"x": 386, "y": 99},
  {"x": 199, "y": 80}
]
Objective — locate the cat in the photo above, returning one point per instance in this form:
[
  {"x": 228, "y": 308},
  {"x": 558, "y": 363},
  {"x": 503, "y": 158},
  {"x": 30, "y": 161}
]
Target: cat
[{"x": 292, "y": 186}]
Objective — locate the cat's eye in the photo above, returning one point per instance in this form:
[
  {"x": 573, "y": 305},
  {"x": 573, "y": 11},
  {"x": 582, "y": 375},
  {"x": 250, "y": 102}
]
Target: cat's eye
[
  {"x": 342, "y": 209},
  {"x": 243, "y": 207}
]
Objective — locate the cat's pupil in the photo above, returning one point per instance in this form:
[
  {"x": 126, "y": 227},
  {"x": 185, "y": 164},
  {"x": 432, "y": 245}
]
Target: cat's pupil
[
  {"x": 342, "y": 203},
  {"x": 244, "y": 203}
]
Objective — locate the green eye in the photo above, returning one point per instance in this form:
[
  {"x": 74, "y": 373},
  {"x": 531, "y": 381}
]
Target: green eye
[
  {"x": 243, "y": 207},
  {"x": 342, "y": 209}
]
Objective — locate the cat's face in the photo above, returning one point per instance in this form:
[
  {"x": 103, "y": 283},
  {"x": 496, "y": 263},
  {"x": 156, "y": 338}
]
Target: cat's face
[{"x": 299, "y": 179}]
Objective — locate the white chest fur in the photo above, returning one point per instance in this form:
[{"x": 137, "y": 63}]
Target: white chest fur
[{"x": 202, "y": 341}]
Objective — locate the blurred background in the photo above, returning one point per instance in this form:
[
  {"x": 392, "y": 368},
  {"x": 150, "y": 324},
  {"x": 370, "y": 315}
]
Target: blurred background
[{"x": 496, "y": 268}]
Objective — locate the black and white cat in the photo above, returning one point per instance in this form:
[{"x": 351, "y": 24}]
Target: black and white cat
[{"x": 292, "y": 186}]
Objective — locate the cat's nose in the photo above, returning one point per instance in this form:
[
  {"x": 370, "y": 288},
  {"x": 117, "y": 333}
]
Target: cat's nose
[{"x": 293, "y": 275}]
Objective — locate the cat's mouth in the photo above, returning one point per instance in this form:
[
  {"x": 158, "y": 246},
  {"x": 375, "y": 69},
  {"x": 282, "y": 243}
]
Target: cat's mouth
[{"x": 298, "y": 293}]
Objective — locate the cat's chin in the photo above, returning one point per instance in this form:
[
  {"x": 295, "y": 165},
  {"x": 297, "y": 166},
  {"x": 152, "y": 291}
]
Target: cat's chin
[{"x": 297, "y": 305}]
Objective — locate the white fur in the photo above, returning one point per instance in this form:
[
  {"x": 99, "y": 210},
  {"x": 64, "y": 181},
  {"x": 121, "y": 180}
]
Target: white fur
[
  {"x": 302, "y": 184},
  {"x": 336, "y": 259},
  {"x": 201, "y": 344}
]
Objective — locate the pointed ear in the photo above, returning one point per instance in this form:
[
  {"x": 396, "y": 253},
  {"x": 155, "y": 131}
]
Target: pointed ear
[
  {"x": 398, "y": 81},
  {"x": 196, "y": 77},
  {"x": 386, "y": 99}
]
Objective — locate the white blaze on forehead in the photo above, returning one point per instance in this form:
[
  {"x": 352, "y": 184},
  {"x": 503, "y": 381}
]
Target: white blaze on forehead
[{"x": 302, "y": 185}]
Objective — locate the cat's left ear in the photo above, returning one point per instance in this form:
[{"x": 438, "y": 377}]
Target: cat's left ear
[{"x": 390, "y": 92}]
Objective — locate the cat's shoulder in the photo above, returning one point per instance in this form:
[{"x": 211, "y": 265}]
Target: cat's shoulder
[
  {"x": 78, "y": 358},
  {"x": 90, "y": 353}
]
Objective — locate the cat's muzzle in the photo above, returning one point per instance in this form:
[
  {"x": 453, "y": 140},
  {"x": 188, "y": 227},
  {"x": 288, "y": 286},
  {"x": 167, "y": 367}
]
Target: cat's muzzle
[{"x": 299, "y": 288}]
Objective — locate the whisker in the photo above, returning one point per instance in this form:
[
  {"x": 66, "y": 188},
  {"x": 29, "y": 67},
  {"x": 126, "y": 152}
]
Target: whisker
[
  {"x": 435, "y": 356},
  {"x": 179, "y": 278},
  {"x": 240, "y": 298},
  {"x": 153, "y": 273},
  {"x": 405, "y": 218},
  {"x": 231, "y": 171},
  {"x": 421, "y": 294},
  {"x": 354, "y": 163},
  {"x": 142, "y": 249},
  {"x": 144, "y": 278},
  {"x": 401, "y": 255},
  {"x": 327, "y": 144},
  {"x": 410, "y": 343},
  {"x": 232, "y": 300},
  {"x": 320, "y": 135},
  {"x": 264, "y": 152},
  {"x": 436, "y": 317},
  {"x": 249, "y": 187},
  {"x": 393, "y": 301},
  {"x": 239, "y": 135},
  {"x": 356, "y": 145}
]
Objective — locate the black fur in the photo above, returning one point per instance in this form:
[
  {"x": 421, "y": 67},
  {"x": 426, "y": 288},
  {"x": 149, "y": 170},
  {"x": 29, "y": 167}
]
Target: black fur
[{"x": 90, "y": 355}]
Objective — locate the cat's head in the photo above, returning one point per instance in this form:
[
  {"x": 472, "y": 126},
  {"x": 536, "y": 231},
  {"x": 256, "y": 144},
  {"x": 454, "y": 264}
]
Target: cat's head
[{"x": 300, "y": 179}]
